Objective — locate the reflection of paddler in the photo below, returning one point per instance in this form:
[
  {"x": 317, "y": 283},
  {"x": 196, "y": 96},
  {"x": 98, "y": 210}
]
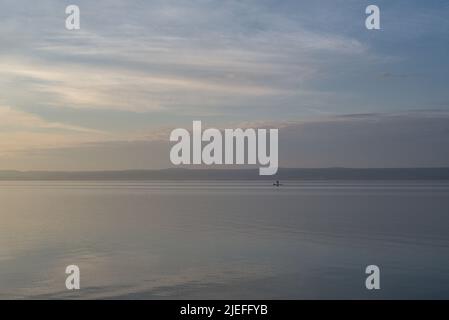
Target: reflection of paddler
[{"x": 277, "y": 184}]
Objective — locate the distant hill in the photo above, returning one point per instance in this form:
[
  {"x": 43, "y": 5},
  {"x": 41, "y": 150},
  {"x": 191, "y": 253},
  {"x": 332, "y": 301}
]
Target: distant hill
[{"x": 237, "y": 174}]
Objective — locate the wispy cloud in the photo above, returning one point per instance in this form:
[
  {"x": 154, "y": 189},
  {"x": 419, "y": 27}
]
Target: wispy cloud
[
  {"x": 11, "y": 119},
  {"x": 169, "y": 56},
  {"x": 410, "y": 139},
  {"x": 231, "y": 62}
]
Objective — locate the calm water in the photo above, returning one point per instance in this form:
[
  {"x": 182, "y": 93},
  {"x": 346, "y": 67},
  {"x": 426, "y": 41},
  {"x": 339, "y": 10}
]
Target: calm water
[{"x": 240, "y": 240}]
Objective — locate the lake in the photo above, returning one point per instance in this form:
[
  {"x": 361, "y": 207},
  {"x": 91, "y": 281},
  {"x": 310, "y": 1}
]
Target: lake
[{"x": 224, "y": 240}]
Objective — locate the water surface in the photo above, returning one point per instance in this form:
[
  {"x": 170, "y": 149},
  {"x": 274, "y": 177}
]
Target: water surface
[{"x": 220, "y": 240}]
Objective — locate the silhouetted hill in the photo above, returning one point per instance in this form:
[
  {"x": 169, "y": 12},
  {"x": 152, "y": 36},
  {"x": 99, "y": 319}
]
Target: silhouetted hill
[{"x": 237, "y": 174}]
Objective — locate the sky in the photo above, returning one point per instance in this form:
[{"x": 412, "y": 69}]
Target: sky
[{"x": 107, "y": 96}]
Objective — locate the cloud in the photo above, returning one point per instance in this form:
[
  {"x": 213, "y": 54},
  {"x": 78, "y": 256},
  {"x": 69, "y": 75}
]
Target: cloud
[
  {"x": 406, "y": 139},
  {"x": 193, "y": 55},
  {"x": 11, "y": 120},
  {"x": 136, "y": 68},
  {"x": 23, "y": 131},
  {"x": 409, "y": 139}
]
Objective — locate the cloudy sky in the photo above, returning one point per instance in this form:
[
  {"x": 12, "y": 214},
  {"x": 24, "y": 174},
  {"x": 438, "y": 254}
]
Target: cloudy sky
[{"x": 107, "y": 96}]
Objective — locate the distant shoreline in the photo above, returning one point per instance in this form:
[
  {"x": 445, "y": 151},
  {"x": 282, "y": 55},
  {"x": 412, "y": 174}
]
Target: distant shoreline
[{"x": 233, "y": 174}]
